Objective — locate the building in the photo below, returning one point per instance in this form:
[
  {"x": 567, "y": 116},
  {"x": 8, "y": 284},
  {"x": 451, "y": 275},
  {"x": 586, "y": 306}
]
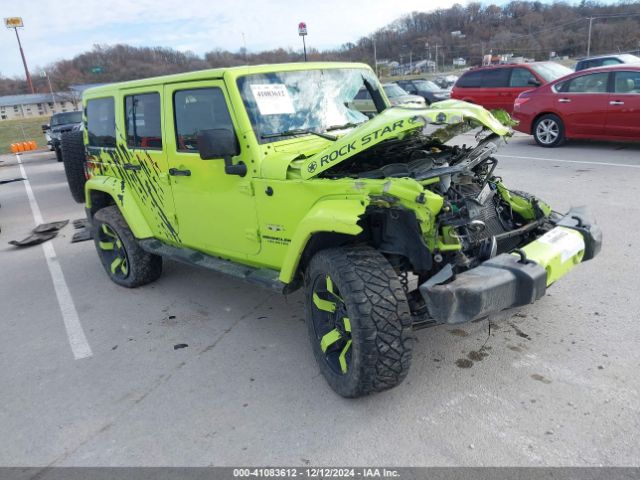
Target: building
[{"x": 38, "y": 104}]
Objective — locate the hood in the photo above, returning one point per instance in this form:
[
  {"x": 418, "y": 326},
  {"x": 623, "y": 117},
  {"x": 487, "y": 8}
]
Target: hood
[{"x": 397, "y": 122}]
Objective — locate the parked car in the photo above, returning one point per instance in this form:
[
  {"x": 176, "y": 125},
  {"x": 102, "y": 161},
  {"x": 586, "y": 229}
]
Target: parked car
[
  {"x": 600, "y": 103},
  {"x": 396, "y": 95},
  {"x": 426, "y": 89},
  {"x": 58, "y": 124},
  {"x": 265, "y": 173},
  {"x": 497, "y": 86},
  {"x": 605, "y": 61},
  {"x": 447, "y": 82}
]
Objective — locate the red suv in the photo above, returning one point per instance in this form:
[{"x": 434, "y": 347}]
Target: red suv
[
  {"x": 498, "y": 86},
  {"x": 599, "y": 103}
]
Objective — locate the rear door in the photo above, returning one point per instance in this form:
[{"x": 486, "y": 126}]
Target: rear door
[
  {"x": 495, "y": 86},
  {"x": 623, "y": 117},
  {"x": 583, "y": 102}
]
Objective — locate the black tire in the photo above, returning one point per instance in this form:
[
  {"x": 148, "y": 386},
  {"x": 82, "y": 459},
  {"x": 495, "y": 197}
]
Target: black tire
[
  {"x": 58, "y": 154},
  {"x": 548, "y": 131},
  {"x": 73, "y": 157},
  {"x": 114, "y": 240},
  {"x": 371, "y": 316}
]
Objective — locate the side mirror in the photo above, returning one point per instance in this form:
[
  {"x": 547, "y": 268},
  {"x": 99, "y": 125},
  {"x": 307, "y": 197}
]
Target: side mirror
[
  {"x": 45, "y": 127},
  {"x": 534, "y": 82},
  {"x": 221, "y": 143}
]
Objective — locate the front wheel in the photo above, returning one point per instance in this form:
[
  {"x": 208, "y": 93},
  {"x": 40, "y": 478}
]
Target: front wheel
[
  {"x": 358, "y": 320},
  {"x": 548, "y": 131},
  {"x": 120, "y": 254}
]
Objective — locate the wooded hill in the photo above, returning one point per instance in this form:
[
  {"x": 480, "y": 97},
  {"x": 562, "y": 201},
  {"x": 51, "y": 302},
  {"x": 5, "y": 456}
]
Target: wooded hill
[{"x": 529, "y": 29}]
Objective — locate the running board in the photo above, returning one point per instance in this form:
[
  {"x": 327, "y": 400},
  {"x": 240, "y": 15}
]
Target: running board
[{"x": 260, "y": 276}]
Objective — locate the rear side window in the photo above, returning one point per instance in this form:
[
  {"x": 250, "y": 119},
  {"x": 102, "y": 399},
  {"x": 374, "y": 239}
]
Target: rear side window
[
  {"x": 592, "y": 83},
  {"x": 142, "y": 121},
  {"x": 196, "y": 110},
  {"x": 470, "y": 80},
  {"x": 521, "y": 77},
  {"x": 101, "y": 122},
  {"x": 496, "y": 78},
  {"x": 627, "y": 82}
]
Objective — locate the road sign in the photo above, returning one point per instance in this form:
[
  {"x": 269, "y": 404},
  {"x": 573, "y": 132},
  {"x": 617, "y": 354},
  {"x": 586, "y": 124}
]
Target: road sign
[
  {"x": 96, "y": 70},
  {"x": 302, "y": 29},
  {"x": 13, "y": 22}
]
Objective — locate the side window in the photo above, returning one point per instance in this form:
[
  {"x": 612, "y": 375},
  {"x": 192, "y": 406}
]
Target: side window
[
  {"x": 470, "y": 80},
  {"x": 143, "y": 121},
  {"x": 101, "y": 122},
  {"x": 610, "y": 61},
  {"x": 521, "y": 77},
  {"x": 496, "y": 78},
  {"x": 627, "y": 82},
  {"x": 592, "y": 83},
  {"x": 198, "y": 109}
]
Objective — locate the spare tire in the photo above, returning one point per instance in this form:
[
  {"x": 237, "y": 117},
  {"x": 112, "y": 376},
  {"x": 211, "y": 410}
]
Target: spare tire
[{"x": 73, "y": 158}]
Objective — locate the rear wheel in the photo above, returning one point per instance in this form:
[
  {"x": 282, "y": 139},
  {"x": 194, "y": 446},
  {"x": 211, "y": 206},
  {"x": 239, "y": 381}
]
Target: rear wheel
[
  {"x": 548, "y": 131},
  {"x": 73, "y": 157},
  {"x": 122, "y": 258},
  {"x": 58, "y": 154},
  {"x": 358, "y": 319}
]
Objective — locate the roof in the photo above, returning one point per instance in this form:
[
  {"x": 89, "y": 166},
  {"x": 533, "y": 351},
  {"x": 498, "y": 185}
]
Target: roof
[
  {"x": 218, "y": 73},
  {"x": 31, "y": 98},
  {"x": 608, "y": 55}
]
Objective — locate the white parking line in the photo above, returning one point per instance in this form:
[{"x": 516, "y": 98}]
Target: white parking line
[
  {"x": 77, "y": 339},
  {"x": 570, "y": 161}
]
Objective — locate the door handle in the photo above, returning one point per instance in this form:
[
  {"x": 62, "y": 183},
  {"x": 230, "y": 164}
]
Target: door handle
[
  {"x": 179, "y": 173},
  {"x": 616, "y": 102},
  {"x": 564, "y": 100},
  {"x": 132, "y": 167}
]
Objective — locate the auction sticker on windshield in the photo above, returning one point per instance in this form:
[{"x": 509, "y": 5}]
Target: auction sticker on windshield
[{"x": 272, "y": 98}]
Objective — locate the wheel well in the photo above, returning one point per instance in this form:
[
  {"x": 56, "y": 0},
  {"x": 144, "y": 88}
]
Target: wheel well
[
  {"x": 99, "y": 200},
  {"x": 392, "y": 231},
  {"x": 535, "y": 119}
]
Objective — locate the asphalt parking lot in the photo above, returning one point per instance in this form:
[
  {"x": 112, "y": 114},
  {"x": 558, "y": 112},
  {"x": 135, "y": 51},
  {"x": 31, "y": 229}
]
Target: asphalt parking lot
[{"x": 559, "y": 386}]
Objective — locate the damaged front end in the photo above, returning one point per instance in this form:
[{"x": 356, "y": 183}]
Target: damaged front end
[{"x": 463, "y": 244}]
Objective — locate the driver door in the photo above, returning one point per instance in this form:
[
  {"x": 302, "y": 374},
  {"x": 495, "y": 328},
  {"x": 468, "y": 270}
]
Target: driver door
[{"x": 215, "y": 211}]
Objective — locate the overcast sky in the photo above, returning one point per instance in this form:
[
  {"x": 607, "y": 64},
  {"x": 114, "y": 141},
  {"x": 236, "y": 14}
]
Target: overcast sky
[{"x": 56, "y": 29}]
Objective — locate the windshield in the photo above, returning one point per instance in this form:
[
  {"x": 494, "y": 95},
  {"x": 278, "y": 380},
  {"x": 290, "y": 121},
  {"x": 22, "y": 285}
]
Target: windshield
[
  {"x": 426, "y": 85},
  {"x": 65, "y": 118},
  {"x": 550, "y": 70},
  {"x": 302, "y": 100},
  {"x": 393, "y": 91}
]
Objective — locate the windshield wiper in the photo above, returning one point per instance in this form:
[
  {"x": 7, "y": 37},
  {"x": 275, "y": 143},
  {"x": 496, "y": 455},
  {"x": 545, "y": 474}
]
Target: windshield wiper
[
  {"x": 341, "y": 127},
  {"x": 300, "y": 131}
]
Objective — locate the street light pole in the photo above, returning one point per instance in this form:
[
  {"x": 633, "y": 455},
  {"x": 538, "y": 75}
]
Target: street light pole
[{"x": 15, "y": 23}]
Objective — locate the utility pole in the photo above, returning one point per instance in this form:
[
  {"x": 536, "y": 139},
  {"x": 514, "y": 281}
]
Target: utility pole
[
  {"x": 437, "y": 56},
  {"x": 410, "y": 61},
  {"x": 53, "y": 98},
  {"x": 375, "y": 55},
  {"x": 15, "y": 23},
  {"x": 589, "y": 37}
]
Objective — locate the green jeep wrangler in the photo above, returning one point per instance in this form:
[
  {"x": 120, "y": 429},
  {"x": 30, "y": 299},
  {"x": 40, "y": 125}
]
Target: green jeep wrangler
[{"x": 266, "y": 174}]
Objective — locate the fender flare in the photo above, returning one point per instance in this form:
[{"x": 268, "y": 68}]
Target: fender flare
[
  {"x": 330, "y": 215},
  {"x": 121, "y": 195}
]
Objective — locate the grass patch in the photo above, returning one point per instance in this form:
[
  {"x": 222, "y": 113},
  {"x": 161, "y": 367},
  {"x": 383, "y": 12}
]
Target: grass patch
[{"x": 11, "y": 131}]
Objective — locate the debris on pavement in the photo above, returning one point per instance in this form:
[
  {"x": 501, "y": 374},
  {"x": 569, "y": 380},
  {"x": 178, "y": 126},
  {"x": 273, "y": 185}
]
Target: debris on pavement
[
  {"x": 11, "y": 180},
  {"x": 84, "y": 232},
  {"x": 180, "y": 345},
  {"x": 48, "y": 227},
  {"x": 34, "y": 239}
]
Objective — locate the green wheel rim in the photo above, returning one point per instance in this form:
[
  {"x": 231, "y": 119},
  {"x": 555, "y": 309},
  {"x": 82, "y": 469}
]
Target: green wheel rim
[
  {"x": 113, "y": 251},
  {"x": 331, "y": 324}
]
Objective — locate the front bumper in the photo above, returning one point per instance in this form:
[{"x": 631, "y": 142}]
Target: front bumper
[{"x": 513, "y": 280}]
